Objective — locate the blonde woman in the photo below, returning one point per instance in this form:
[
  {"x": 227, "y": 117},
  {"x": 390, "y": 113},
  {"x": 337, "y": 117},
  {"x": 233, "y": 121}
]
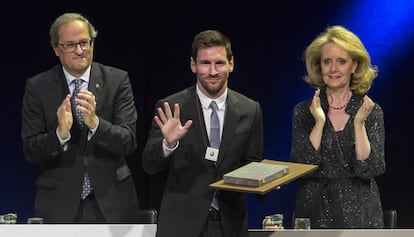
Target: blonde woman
[{"x": 341, "y": 130}]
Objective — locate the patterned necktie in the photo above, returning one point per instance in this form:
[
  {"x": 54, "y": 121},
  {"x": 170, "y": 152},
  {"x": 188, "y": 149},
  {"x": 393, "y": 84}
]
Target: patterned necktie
[
  {"x": 214, "y": 140},
  {"x": 78, "y": 114},
  {"x": 86, "y": 184},
  {"x": 214, "y": 126}
]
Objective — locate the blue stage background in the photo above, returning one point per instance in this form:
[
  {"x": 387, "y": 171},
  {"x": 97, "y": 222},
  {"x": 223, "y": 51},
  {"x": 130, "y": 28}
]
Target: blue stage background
[{"x": 152, "y": 39}]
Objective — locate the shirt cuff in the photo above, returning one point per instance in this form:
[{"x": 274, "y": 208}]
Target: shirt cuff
[
  {"x": 167, "y": 151},
  {"x": 62, "y": 141},
  {"x": 92, "y": 131}
]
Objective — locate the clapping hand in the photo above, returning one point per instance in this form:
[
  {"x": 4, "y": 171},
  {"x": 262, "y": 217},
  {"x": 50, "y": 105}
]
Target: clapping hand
[
  {"x": 364, "y": 110},
  {"x": 316, "y": 109}
]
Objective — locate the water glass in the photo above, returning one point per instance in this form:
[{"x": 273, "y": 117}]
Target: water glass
[
  {"x": 302, "y": 224},
  {"x": 273, "y": 222},
  {"x": 10, "y": 218},
  {"x": 35, "y": 220}
]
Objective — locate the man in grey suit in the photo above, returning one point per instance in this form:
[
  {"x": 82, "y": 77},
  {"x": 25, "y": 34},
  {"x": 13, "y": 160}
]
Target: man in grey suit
[
  {"x": 179, "y": 140},
  {"x": 70, "y": 151}
]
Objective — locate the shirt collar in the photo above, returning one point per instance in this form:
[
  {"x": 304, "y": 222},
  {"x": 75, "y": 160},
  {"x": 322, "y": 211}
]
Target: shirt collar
[
  {"x": 85, "y": 76},
  {"x": 205, "y": 100}
]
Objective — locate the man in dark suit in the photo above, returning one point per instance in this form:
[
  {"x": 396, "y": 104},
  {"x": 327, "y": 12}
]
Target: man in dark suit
[
  {"x": 69, "y": 150},
  {"x": 181, "y": 141}
]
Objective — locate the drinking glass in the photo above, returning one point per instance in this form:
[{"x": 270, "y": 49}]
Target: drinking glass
[
  {"x": 302, "y": 224},
  {"x": 35, "y": 220}
]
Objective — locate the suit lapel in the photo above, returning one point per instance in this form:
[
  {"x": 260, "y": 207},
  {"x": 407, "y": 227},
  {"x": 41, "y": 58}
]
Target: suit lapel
[
  {"x": 95, "y": 84},
  {"x": 60, "y": 84},
  {"x": 195, "y": 113},
  {"x": 231, "y": 121}
]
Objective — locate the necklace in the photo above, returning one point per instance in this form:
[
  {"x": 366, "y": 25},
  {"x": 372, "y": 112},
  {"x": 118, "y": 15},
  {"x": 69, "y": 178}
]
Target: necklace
[
  {"x": 345, "y": 97},
  {"x": 338, "y": 108}
]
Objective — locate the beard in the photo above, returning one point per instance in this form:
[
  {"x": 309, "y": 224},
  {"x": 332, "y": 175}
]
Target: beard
[{"x": 213, "y": 90}]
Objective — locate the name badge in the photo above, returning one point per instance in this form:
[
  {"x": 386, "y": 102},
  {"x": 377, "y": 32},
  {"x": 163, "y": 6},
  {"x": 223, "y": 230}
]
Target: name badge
[{"x": 211, "y": 154}]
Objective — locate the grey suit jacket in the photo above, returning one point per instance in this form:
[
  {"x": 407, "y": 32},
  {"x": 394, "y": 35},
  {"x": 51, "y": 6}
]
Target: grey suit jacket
[
  {"x": 187, "y": 195},
  {"x": 61, "y": 171}
]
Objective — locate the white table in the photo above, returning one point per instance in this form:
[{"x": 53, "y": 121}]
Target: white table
[
  {"x": 334, "y": 233},
  {"x": 148, "y": 230},
  {"x": 77, "y": 230}
]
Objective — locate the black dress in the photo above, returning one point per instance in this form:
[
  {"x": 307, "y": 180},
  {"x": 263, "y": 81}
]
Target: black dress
[{"x": 342, "y": 192}]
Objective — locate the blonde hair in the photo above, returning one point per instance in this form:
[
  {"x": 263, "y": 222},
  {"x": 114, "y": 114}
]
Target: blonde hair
[{"x": 364, "y": 74}]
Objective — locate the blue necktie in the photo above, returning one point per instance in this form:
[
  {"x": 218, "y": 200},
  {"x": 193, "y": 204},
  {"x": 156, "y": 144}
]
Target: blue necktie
[
  {"x": 78, "y": 114},
  {"x": 214, "y": 126},
  {"x": 86, "y": 184},
  {"x": 214, "y": 139}
]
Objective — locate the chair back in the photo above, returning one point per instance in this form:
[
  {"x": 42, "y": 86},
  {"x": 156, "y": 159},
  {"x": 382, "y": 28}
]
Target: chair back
[
  {"x": 390, "y": 219},
  {"x": 147, "y": 216}
]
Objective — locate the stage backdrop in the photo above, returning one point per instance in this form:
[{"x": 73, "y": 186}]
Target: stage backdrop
[{"x": 151, "y": 39}]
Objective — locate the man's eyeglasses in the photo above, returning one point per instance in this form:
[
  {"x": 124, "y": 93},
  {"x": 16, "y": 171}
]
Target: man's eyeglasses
[{"x": 71, "y": 46}]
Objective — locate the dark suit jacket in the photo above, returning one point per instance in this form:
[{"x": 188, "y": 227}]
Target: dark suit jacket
[
  {"x": 61, "y": 172},
  {"x": 187, "y": 195}
]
